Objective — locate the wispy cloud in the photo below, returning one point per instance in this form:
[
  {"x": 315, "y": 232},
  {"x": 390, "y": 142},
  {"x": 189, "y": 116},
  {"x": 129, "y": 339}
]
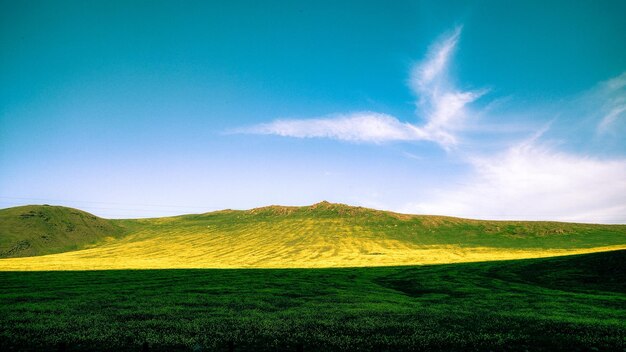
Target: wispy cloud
[
  {"x": 439, "y": 104},
  {"x": 533, "y": 181},
  {"x": 356, "y": 127},
  {"x": 610, "y": 118},
  {"x": 526, "y": 180},
  {"x": 436, "y": 62},
  {"x": 612, "y": 93}
]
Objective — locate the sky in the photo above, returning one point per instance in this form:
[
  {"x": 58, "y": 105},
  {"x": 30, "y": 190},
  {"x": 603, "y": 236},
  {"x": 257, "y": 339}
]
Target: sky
[{"x": 477, "y": 109}]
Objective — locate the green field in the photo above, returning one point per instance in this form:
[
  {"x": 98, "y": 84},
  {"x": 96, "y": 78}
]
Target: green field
[
  {"x": 317, "y": 236},
  {"x": 573, "y": 303},
  {"x": 325, "y": 277}
]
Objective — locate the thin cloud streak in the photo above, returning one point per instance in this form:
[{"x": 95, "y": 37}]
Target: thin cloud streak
[
  {"x": 610, "y": 118},
  {"x": 436, "y": 62},
  {"x": 612, "y": 96},
  {"x": 356, "y": 127},
  {"x": 439, "y": 104}
]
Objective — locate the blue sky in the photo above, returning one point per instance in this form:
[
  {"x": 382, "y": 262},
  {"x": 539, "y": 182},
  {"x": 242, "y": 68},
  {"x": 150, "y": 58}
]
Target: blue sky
[{"x": 482, "y": 109}]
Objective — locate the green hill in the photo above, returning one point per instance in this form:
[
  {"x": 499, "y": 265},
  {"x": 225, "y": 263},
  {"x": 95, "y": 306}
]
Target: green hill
[
  {"x": 320, "y": 235},
  {"x": 41, "y": 229}
]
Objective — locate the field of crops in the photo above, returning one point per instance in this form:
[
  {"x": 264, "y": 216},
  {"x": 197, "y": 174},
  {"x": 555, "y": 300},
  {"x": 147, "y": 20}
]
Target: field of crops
[{"x": 575, "y": 303}]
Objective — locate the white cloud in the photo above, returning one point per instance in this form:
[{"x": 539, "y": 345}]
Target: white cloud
[
  {"x": 532, "y": 181},
  {"x": 528, "y": 181},
  {"x": 608, "y": 102},
  {"x": 616, "y": 83},
  {"x": 439, "y": 104},
  {"x": 355, "y": 127},
  {"x": 434, "y": 67},
  {"x": 611, "y": 117}
]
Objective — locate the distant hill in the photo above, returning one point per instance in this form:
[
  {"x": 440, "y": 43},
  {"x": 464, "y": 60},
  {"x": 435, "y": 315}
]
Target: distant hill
[
  {"x": 321, "y": 235},
  {"x": 42, "y": 229}
]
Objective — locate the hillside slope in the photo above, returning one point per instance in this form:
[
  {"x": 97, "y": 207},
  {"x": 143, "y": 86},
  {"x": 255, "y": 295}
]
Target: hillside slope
[
  {"x": 41, "y": 229},
  {"x": 324, "y": 235}
]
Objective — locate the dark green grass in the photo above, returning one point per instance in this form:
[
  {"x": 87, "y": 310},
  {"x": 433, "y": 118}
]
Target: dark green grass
[{"x": 575, "y": 303}]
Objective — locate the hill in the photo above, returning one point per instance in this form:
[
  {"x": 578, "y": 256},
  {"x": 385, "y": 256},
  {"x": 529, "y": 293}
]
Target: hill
[
  {"x": 320, "y": 235},
  {"x": 42, "y": 229}
]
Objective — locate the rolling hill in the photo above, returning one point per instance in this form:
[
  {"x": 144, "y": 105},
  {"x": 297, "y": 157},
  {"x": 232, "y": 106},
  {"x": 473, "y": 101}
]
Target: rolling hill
[
  {"x": 42, "y": 229},
  {"x": 321, "y": 235}
]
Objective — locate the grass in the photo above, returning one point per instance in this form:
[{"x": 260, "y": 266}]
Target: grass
[
  {"x": 321, "y": 235},
  {"x": 573, "y": 303},
  {"x": 332, "y": 280},
  {"x": 41, "y": 229}
]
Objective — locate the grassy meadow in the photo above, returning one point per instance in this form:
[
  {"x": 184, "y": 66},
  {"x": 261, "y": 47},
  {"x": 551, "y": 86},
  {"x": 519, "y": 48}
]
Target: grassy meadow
[
  {"x": 573, "y": 303},
  {"x": 317, "y": 236},
  {"x": 326, "y": 277}
]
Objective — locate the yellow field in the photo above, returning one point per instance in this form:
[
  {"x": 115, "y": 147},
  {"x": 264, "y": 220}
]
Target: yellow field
[{"x": 281, "y": 244}]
